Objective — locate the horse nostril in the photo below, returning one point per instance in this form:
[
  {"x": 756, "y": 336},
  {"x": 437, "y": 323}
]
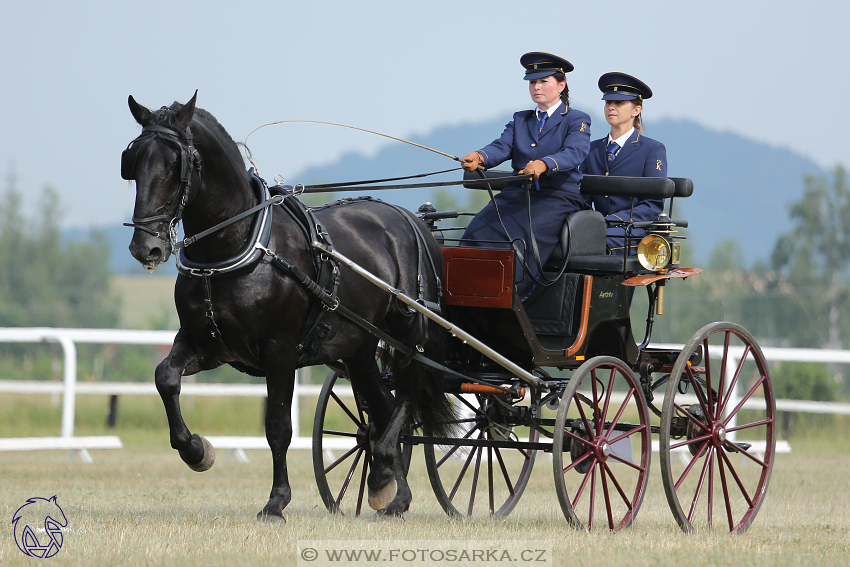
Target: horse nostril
[{"x": 155, "y": 254}]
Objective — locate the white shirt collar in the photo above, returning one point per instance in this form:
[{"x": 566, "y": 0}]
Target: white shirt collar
[
  {"x": 622, "y": 139},
  {"x": 551, "y": 110}
]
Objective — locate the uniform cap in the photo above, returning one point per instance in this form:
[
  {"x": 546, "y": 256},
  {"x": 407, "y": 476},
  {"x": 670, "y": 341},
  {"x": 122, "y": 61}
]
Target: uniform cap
[
  {"x": 538, "y": 65},
  {"x": 620, "y": 86}
]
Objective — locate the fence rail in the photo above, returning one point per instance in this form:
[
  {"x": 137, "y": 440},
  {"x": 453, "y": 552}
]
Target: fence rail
[{"x": 69, "y": 388}]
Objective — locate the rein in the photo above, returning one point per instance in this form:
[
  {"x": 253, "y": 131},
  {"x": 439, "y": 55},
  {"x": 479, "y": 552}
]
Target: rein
[{"x": 349, "y": 186}]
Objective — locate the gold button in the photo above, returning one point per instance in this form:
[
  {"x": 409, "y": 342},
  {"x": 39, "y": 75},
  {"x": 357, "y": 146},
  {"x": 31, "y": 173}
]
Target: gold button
[
  {"x": 533, "y": 145},
  {"x": 606, "y": 174}
]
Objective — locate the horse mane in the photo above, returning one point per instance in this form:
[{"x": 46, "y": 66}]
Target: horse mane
[{"x": 216, "y": 128}]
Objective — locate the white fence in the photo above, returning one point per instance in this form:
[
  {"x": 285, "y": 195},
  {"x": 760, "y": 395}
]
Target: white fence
[{"x": 69, "y": 388}]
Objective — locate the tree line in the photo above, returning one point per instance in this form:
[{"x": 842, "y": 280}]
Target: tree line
[{"x": 796, "y": 298}]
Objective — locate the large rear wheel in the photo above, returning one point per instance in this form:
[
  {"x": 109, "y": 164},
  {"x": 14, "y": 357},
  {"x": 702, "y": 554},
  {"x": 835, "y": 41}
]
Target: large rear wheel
[{"x": 718, "y": 430}]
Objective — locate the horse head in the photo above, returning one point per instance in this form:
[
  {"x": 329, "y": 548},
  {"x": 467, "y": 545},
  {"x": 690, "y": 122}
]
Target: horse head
[{"x": 166, "y": 168}]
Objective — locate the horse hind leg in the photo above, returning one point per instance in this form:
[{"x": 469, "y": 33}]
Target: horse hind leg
[
  {"x": 388, "y": 490},
  {"x": 195, "y": 450},
  {"x": 389, "y": 493}
]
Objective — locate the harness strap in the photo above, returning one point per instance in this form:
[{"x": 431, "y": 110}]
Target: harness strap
[
  {"x": 333, "y": 304},
  {"x": 214, "y": 330},
  {"x": 276, "y": 200}
]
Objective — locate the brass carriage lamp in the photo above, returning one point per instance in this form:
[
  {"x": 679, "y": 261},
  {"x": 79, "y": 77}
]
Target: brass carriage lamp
[{"x": 658, "y": 251}]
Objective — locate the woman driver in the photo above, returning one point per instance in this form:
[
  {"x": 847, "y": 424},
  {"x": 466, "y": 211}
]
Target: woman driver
[
  {"x": 625, "y": 151},
  {"x": 548, "y": 143}
]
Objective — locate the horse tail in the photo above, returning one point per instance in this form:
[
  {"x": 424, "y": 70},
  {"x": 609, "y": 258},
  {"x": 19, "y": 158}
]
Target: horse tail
[{"x": 434, "y": 410}]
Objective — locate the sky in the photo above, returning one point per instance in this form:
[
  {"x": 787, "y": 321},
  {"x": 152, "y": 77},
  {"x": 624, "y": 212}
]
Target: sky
[{"x": 768, "y": 70}]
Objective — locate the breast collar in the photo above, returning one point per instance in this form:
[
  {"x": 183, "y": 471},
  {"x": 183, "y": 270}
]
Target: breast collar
[{"x": 254, "y": 249}]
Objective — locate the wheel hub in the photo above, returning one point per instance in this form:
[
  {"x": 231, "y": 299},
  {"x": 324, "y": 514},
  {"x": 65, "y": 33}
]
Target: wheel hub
[
  {"x": 719, "y": 434},
  {"x": 362, "y": 435},
  {"x": 579, "y": 450},
  {"x": 694, "y": 430}
]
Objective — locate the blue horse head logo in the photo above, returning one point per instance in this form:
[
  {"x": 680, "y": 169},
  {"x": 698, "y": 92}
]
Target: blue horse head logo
[{"x": 38, "y": 527}]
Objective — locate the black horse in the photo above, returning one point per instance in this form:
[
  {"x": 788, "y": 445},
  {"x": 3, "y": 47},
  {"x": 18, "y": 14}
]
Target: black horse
[{"x": 186, "y": 165}]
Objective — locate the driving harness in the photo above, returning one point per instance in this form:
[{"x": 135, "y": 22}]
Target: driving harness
[{"x": 326, "y": 284}]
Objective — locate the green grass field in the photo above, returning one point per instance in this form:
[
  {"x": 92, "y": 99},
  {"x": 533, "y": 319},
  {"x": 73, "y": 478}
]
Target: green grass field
[
  {"x": 143, "y": 506},
  {"x": 147, "y": 301}
]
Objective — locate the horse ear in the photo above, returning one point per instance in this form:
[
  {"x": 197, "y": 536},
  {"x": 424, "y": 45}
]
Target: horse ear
[
  {"x": 140, "y": 113},
  {"x": 184, "y": 115}
]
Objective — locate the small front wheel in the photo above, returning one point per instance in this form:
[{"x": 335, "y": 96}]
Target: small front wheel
[{"x": 601, "y": 446}]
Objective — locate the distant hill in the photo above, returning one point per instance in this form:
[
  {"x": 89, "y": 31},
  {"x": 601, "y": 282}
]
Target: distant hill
[{"x": 742, "y": 187}]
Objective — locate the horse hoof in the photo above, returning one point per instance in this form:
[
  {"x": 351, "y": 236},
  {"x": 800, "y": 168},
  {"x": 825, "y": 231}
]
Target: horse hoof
[
  {"x": 270, "y": 518},
  {"x": 207, "y": 461},
  {"x": 381, "y": 498}
]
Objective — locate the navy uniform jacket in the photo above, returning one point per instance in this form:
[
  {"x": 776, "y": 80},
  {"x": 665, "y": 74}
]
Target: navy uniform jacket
[
  {"x": 562, "y": 145},
  {"x": 639, "y": 157}
]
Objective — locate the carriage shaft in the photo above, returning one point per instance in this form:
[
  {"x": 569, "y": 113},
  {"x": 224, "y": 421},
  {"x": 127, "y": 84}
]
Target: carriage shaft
[{"x": 455, "y": 331}]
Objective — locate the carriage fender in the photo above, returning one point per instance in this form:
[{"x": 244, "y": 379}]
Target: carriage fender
[{"x": 647, "y": 279}]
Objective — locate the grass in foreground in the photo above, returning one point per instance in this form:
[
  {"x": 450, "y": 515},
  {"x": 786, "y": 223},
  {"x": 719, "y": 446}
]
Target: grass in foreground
[{"x": 142, "y": 506}]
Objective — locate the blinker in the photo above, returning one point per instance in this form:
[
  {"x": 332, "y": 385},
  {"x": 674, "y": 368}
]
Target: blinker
[{"x": 128, "y": 164}]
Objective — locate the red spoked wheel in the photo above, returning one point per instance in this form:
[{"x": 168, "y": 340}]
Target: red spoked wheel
[
  {"x": 601, "y": 446},
  {"x": 485, "y": 480},
  {"x": 341, "y": 451},
  {"x": 718, "y": 430}
]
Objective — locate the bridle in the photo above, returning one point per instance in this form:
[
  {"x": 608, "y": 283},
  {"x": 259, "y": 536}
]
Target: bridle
[{"x": 190, "y": 167}]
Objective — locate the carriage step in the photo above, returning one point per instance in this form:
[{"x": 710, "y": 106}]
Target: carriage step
[{"x": 734, "y": 447}]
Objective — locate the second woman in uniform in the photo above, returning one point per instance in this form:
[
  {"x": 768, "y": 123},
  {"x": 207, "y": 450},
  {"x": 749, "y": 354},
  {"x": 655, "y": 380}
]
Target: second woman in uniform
[{"x": 625, "y": 151}]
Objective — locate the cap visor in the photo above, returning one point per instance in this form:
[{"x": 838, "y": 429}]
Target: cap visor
[
  {"x": 538, "y": 75},
  {"x": 619, "y": 96}
]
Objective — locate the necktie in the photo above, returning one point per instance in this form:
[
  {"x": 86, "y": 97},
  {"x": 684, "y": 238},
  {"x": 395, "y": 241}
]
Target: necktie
[
  {"x": 612, "y": 151},
  {"x": 541, "y": 118}
]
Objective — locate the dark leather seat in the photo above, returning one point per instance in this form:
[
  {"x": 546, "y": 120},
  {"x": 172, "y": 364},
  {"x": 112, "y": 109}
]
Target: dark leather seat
[{"x": 583, "y": 239}]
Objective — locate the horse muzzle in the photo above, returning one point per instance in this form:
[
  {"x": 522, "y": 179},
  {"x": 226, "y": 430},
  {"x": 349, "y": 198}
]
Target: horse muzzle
[{"x": 149, "y": 250}]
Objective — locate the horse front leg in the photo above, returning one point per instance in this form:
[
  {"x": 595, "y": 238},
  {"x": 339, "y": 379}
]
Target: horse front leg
[
  {"x": 183, "y": 359},
  {"x": 280, "y": 382}
]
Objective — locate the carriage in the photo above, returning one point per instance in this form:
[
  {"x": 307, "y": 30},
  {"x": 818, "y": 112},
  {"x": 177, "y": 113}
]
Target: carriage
[
  {"x": 264, "y": 288},
  {"x": 600, "y": 387}
]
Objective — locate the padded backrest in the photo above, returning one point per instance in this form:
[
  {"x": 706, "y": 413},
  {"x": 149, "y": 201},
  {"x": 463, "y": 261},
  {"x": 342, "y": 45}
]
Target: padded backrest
[
  {"x": 684, "y": 186},
  {"x": 646, "y": 187},
  {"x": 583, "y": 234},
  {"x": 652, "y": 187}
]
